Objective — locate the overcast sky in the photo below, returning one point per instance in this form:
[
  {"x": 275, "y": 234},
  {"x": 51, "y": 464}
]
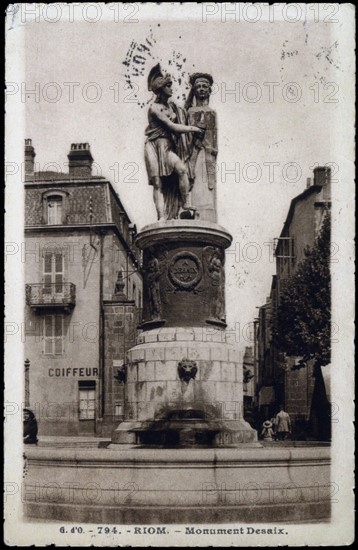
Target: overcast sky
[{"x": 291, "y": 80}]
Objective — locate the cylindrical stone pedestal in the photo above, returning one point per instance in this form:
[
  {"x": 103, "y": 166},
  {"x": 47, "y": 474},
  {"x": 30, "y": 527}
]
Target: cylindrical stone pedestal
[
  {"x": 184, "y": 381},
  {"x": 184, "y": 276}
]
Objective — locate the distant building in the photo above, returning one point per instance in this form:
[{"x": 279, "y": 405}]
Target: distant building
[
  {"x": 266, "y": 362},
  {"x": 83, "y": 295},
  {"x": 249, "y": 375},
  {"x": 280, "y": 380}
]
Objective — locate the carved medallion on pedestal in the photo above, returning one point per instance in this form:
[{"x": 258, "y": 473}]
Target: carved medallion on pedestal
[{"x": 185, "y": 270}]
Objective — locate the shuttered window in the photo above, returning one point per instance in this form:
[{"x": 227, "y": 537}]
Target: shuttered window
[
  {"x": 53, "y": 334},
  {"x": 54, "y": 210},
  {"x": 53, "y": 272}
]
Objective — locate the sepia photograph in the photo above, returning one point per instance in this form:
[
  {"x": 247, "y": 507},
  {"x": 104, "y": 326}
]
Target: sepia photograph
[{"x": 179, "y": 274}]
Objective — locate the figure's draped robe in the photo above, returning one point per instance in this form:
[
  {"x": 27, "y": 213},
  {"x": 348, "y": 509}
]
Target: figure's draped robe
[
  {"x": 182, "y": 146},
  {"x": 203, "y": 162}
]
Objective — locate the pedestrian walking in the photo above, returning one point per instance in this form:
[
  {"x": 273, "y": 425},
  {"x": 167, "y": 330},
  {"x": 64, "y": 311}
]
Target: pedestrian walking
[{"x": 283, "y": 424}]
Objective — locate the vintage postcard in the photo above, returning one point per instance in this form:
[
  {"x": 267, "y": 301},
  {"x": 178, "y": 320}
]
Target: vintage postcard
[{"x": 179, "y": 265}]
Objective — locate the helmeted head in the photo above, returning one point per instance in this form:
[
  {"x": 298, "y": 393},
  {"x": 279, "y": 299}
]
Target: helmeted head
[{"x": 157, "y": 82}]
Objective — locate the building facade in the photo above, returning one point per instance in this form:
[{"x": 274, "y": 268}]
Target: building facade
[
  {"x": 249, "y": 376},
  {"x": 83, "y": 296},
  {"x": 281, "y": 380}
]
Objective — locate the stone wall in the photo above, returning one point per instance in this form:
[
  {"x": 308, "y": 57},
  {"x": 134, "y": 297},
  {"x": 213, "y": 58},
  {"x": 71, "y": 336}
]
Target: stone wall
[{"x": 120, "y": 331}]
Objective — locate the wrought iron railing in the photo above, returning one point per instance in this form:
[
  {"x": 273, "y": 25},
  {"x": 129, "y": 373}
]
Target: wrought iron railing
[{"x": 51, "y": 294}]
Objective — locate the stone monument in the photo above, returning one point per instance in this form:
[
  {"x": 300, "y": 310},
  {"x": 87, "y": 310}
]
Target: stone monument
[{"x": 184, "y": 381}]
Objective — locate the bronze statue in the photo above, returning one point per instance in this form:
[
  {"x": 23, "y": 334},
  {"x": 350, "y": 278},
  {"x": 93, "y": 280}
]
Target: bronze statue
[{"x": 167, "y": 149}]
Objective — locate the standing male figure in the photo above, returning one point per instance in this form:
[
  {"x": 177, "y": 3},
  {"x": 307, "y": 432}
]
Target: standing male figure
[
  {"x": 167, "y": 149},
  {"x": 283, "y": 424}
]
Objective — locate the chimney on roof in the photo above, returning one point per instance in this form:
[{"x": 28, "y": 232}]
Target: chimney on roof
[
  {"x": 80, "y": 160},
  {"x": 322, "y": 177},
  {"x": 308, "y": 182},
  {"x": 29, "y": 159}
]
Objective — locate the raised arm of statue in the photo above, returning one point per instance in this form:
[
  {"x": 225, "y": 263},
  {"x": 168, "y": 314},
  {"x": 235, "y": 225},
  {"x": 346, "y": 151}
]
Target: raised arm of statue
[{"x": 159, "y": 112}]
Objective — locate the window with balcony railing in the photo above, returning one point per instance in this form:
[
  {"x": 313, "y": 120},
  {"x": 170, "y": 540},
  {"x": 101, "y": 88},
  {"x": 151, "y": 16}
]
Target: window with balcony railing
[
  {"x": 55, "y": 294},
  {"x": 53, "y": 291},
  {"x": 53, "y": 271}
]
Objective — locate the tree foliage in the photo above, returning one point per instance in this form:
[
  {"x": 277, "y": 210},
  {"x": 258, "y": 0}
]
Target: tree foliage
[{"x": 302, "y": 324}]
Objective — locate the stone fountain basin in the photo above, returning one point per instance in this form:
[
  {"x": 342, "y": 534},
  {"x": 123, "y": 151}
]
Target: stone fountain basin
[{"x": 196, "y": 485}]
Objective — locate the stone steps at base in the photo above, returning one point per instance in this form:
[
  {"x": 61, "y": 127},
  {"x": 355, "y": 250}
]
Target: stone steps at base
[
  {"x": 294, "y": 443},
  {"x": 73, "y": 443}
]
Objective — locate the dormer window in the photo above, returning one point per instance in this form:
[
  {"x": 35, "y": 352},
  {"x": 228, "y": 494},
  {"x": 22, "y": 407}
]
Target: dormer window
[
  {"x": 54, "y": 207},
  {"x": 54, "y": 210}
]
